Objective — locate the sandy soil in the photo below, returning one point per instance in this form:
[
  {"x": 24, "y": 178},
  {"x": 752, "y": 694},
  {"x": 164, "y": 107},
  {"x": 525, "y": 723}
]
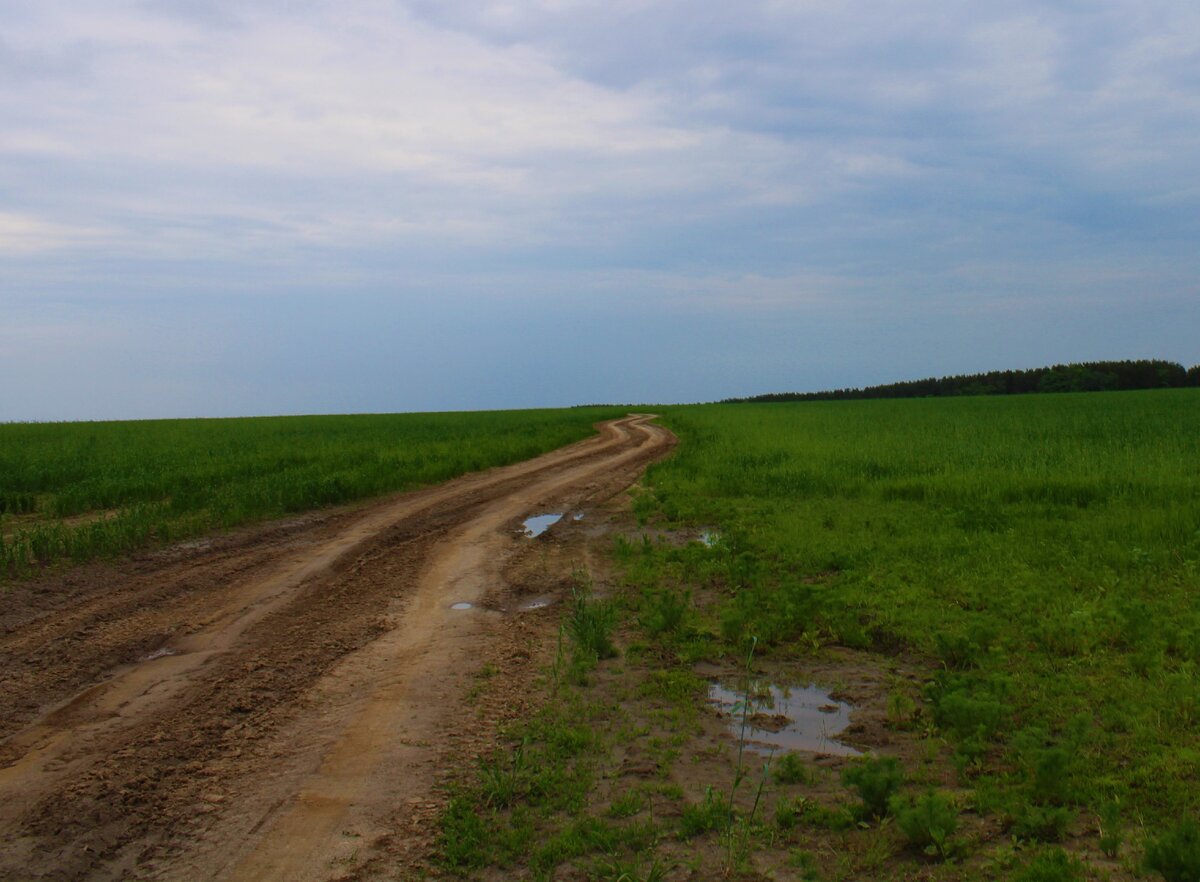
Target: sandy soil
[{"x": 278, "y": 703}]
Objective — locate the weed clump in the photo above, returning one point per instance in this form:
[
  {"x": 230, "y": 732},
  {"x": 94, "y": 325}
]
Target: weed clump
[
  {"x": 591, "y": 624},
  {"x": 787, "y": 813},
  {"x": 463, "y": 835},
  {"x": 875, "y": 780},
  {"x": 702, "y": 817},
  {"x": 613, "y": 870},
  {"x": 664, "y": 612},
  {"x": 1053, "y": 865},
  {"x": 928, "y": 822},
  {"x": 1042, "y": 823},
  {"x": 962, "y": 652},
  {"x": 1176, "y": 854},
  {"x": 1110, "y": 828},
  {"x": 790, "y": 769}
]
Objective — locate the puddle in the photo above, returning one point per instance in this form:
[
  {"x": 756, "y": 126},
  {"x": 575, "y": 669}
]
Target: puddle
[
  {"x": 159, "y": 653},
  {"x": 787, "y": 718},
  {"x": 539, "y": 524},
  {"x": 462, "y": 604},
  {"x": 535, "y": 603},
  {"x": 710, "y": 538},
  {"x": 578, "y": 516}
]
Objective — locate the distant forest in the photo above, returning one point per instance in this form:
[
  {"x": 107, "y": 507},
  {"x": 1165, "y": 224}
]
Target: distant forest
[{"x": 1092, "y": 376}]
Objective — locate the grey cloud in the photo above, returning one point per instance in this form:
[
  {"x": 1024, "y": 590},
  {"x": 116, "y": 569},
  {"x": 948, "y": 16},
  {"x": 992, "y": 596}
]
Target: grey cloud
[{"x": 831, "y": 165}]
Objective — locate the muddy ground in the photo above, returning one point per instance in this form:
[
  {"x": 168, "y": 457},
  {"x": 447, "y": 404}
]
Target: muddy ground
[{"x": 277, "y": 703}]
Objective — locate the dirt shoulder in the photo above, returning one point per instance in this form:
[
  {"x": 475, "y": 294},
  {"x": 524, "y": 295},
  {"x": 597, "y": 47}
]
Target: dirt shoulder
[{"x": 273, "y": 703}]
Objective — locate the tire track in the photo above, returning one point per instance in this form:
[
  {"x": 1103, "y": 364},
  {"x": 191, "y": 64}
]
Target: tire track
[{"x": 310, "y": 670}]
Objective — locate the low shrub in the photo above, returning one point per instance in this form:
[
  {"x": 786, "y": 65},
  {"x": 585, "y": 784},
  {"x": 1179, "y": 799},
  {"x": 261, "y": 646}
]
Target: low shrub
[
  {"x": 663, "y": 611},
  {"x": 928, "y": 822},
  {"x": 875, "y": 780},
  {"x": 790, "y": 769}
]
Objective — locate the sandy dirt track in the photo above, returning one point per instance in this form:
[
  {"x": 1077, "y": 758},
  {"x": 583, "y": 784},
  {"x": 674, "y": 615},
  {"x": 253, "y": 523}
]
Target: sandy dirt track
[{"x": 275, "y": 703}]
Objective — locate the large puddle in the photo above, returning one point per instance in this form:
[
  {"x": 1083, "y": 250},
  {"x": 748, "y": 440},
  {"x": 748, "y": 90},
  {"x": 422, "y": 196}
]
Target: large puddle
[
  {"x": 786, "y": 718},
  {"x": 539, "y": 524}
]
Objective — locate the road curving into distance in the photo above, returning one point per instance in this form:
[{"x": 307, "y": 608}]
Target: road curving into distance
[{"x": 260, "y": 706}]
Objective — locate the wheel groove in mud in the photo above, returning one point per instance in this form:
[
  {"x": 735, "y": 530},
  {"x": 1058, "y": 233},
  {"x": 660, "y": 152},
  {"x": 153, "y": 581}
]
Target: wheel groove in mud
[{"x": 286, "y": 655}]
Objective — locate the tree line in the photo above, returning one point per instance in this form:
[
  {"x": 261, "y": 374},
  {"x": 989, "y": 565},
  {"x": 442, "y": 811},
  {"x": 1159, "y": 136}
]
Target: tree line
[{"x": 1091, "y": 376}]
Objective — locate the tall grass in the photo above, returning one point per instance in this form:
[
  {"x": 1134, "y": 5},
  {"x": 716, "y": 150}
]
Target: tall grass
[{"x": 82, "y": 490}]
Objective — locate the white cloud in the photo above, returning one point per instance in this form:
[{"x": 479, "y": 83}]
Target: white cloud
[
  {"x": 248, "y": 130},
  {"x": 23, "y": 234}
]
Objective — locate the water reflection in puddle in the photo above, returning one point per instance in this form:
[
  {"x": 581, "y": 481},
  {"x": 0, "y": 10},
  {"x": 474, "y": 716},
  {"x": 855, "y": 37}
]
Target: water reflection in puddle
[
  {"x": 535, "y": 603},
  {"x": 578, "y": 516},
  {"x": 462, "y": 604},
  {"x": 539, "y": 524},
  {"x": 786, "y": 718},
  {"x": 159, "y": 653},
  {"x": 710, "y": 538}
]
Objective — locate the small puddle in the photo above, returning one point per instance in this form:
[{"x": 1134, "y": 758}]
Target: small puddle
[
  {"x": 787, "y": 718},
  {"x": 535, "y": 603},
  {"x": 578, "y": 516},
  {"x": 462, "y": 604},
  {"x": 539, "y": 524},
  {"x": 159, "y": 653},
  {"x": 709, "y": 538}
]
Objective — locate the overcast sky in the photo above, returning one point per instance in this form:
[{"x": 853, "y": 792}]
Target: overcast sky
[{"x": 226, "y": 208}]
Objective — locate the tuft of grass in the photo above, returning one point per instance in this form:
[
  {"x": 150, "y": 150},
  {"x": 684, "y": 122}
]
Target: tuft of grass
[
  {"x": 591, "y": 623},
  {"x": 711, "y": 813},
  {"x": 628, "y": 804},
  {"x": 642, "y": 869},
  {"x": 462, "y": 843},
  {"x": 1175, "y": 855},
  {"x": 1052, "y": 865}
]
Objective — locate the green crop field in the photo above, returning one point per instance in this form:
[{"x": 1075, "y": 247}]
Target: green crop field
[
  {"x": 82, "y": 490},
  {"x": 1027, "y": 569},
  {"x": 1024, "y": 572},
  {"x": 1041, "y": 554}
]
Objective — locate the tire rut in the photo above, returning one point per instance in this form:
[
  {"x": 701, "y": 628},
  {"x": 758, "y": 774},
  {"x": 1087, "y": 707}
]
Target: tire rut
[{"x": 131, "y": 776}]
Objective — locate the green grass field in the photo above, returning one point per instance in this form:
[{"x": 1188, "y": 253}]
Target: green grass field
[
  {"x": 1023, "y": 570},
  {"x": 1041, "y": 554},
  {"x": 1034, "y": 559},
  {"x": 82, "y": 490}
]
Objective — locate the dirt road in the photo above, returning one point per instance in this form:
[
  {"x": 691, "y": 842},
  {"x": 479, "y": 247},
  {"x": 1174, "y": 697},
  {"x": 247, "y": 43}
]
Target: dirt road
[{"x": 276, "y": 703}]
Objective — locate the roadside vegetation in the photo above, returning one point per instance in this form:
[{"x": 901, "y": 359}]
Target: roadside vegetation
[
  {"x": 1019, "y": 577},
  {"x": 77, "y": 491}
]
